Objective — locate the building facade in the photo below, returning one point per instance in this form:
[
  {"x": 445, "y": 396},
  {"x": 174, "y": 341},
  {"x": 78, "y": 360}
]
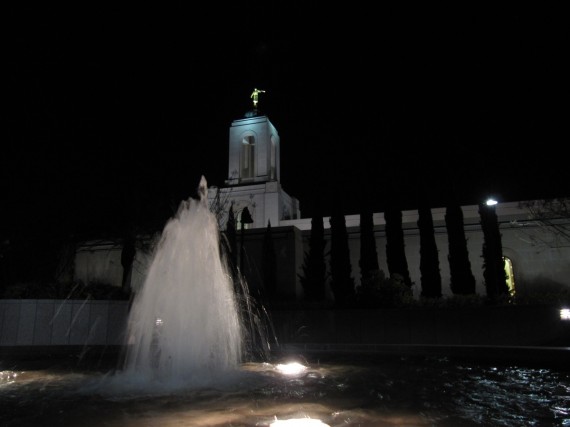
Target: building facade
[{"x": 536, "y": 252}]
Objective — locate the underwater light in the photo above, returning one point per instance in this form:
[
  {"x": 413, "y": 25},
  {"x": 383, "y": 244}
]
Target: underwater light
[
  {"x": 299, "y": 422},
  {"x": 565, "y": 313},
  {"x": 8, "y": 377},
  {"x": 292, "y": 368}
]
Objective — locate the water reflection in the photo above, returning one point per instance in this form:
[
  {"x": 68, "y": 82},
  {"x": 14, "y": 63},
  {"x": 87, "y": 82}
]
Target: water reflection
[{"x": 384, "y": 392}]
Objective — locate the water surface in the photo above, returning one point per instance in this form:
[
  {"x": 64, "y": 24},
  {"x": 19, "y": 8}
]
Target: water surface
[{"x": 379, "y": 391}]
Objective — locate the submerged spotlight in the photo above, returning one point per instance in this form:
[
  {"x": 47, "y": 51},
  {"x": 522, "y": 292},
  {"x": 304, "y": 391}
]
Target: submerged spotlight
[
  {"x": 299, "y": 422},
  {"x": 292, "y": 368}
]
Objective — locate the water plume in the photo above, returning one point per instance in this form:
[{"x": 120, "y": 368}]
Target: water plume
[{"x": 184, "y": 326}]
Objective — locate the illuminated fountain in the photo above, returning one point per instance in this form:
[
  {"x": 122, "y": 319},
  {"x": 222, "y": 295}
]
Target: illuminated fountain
[{"x": 184, "y": 326}]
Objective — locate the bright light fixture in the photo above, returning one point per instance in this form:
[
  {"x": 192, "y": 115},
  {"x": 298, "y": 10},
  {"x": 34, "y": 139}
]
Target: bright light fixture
[
  {"x": 491, "y": 202},
  {"x": 565, "y": 313},
  {"x": 292, "y": 368},
  {"x": 299, "y": 422}
]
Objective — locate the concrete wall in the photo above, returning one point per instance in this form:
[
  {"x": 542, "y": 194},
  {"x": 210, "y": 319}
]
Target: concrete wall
[
  {"x": 62, "y": 322},
  {"x": 507, "y": 326},
  {"x": 103, "y": 323}
]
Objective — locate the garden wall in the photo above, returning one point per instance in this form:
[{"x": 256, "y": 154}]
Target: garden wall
[
  {"x": 103, "y": 323},
  {"x": 30, "y": 322}
]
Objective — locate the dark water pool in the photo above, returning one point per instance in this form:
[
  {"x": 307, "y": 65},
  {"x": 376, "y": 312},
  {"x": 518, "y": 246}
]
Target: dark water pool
[{"x": 378, "y": 391}]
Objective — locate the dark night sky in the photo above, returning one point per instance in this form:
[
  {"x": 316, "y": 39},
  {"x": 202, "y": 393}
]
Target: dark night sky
[{"x": 115, "y": 112}]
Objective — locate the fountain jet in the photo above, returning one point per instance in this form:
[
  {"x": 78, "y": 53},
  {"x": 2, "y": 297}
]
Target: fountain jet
[{"x": 184, "y": 325}]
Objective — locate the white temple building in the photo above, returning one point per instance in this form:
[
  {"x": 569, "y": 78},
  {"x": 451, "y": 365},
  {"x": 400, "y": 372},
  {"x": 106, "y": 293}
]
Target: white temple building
[{"x": 536, "y": 253}]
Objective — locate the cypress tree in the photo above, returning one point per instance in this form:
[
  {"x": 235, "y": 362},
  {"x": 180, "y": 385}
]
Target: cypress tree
[
  {"x": 462, "y": 281},
  {"x": 128, "y": 254},
  {"x": 230, "y": 243},
  {"x": 493, "y": 264},
  {"x": 395, "y": 246},
  {"x": 368, "y": 262},
  {"x": 342, "y": 282},
  {"x": 269, "y": 262},
  {"x": 314, "y": 274},
  {"x": 429, "y": 259}
]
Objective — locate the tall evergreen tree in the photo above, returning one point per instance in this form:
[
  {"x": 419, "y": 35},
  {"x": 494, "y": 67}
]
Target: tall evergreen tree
[
  {"x": 230, "y": 243},
  {"x": 342, "y": 282},
  {"x": 368, "y": 255},
  {"x": 395, "y": 246},
  {"x": 128, "y": 254},
  {"x": 429, "y": 258},
  {"x": 493, "y": 263},
  {"x": 314, "y": 270},
  {"x": 269, "y": 262},
  {"x": 462, "y": 281}
]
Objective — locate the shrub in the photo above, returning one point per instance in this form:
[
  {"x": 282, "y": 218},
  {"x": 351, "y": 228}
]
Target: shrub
[{"x": 378, "y": 291}]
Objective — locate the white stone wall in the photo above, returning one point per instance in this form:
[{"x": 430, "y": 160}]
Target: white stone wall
[
  {"x": 541, "y": 260},
  {"x": 99, "y": 262}
]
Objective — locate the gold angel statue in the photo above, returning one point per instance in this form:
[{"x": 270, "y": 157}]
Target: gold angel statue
[{"x": 255, "y": 96}]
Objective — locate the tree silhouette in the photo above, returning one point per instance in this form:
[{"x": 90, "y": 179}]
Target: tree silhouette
[
  {"x": 462, "y": 281},
  {"x": 368, "y": 262},
  {"x": 493, "y": 264},
  {"x": 429, "y": 259},
  {"x": 395, "y": 246},
  {"x": 269, "y": 262},
  {"x": 342, "y": 282},
  {"x": 548, "y": 213},
  {"x": 128, "y": 254},
  {"x": 230, "y": 243},
  {"x": 314, "y": 274}
]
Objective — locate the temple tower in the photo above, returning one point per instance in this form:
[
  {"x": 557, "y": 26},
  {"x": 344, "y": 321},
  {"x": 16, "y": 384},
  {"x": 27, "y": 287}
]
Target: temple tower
[{"x": 254, "y": 174}]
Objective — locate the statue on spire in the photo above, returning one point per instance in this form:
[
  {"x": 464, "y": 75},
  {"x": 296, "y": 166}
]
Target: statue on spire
[{"x": 255, "y": 96}]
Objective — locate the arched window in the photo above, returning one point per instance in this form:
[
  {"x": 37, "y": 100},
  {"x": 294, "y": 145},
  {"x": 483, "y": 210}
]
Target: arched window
[
  {"x": 248, "y": 157},
  {"x": 245, "y": 223},
  {"x": 510, "y": 275}
]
